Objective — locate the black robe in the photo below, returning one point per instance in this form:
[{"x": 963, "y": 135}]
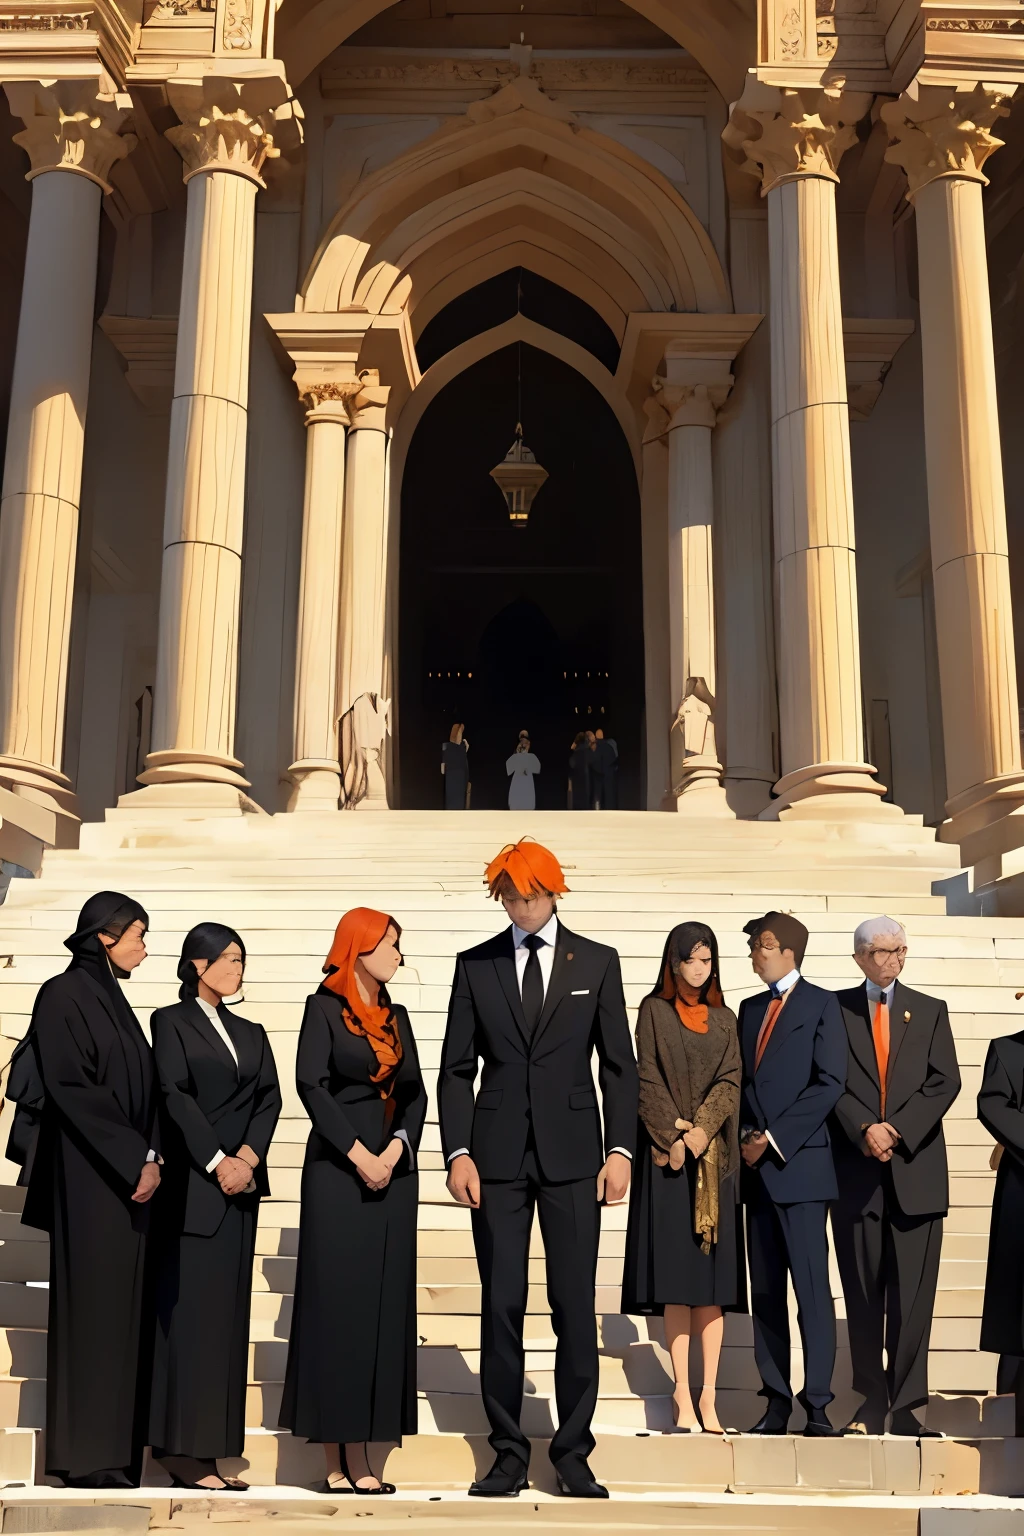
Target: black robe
[
  {"x": 580, "y": 762},
  {"x": 96, "y": 1129},
  {"x": 351, "y": 1371},
  {"x": 204, "y": 1240},
  {"x": 1001, "y": 1112},
  {"x": 455, "y": 757}
]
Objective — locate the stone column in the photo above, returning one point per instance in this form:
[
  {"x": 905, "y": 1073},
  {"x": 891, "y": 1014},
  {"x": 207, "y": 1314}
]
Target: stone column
[
  {"x": 940, "y": 137},
  {"x": 364, "y": 712},
  {"x": 793, "y": 140},
  {"x": 227, "y": 131},
  {"x": 72, "y": 137},
  {"x": 316, "y": 771},
  {"x": 692, "y": 408}
]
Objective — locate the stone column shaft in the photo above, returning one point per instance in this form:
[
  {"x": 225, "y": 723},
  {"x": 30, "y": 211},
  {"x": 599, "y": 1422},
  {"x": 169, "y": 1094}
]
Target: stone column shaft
[
  {"x": 794, "y": 140},
  {"x": 72, "y": 139},
  {"x": 941, "y": 139},
  {"x": 226, "y": 133},
  {"x": 316, "y": 772}
]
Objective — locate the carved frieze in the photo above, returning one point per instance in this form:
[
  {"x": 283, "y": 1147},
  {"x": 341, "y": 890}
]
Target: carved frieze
[{"x": 56, "y": 21}]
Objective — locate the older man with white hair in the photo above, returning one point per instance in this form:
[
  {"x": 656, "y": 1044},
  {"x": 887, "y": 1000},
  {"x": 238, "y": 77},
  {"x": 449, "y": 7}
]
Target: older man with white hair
[{"x": 890, "y": 1160}]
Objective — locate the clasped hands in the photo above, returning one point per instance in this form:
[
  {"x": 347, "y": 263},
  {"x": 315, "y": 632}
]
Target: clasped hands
[
  {"x": 880, "y": 1141},
  {"x": 463, "y": 1182},
  {"x": 235, "y": 1174},
  {"x": 693, "y": 1140},
  {"x": 374, "y": 1171}
]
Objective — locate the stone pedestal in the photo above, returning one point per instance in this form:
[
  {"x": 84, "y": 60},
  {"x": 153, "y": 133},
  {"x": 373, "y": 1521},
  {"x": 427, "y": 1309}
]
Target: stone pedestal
[
  {"x": 227, "y": 131},
  {"x": 940, "y": 137},
  {"x": 793, "y": 140},
  {"x": 72, "y": 136}
]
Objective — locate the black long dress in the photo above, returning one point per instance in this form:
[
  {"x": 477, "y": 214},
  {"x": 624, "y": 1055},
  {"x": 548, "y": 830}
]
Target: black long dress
[
  {"x": 205, "y": 1240},
  {"x": 351, "y": 1371},
  {"x": 579, "y": 777},
  {"x": 96, "y": 1130},
  {"x": 455, "y": 757},
  {"x": 1001, "y": 1111}
]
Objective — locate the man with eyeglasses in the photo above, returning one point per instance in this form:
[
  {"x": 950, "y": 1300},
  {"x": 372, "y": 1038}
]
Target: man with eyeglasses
[
  {"x": 794, "y": 1066},
  {"x": 890, "y": 1159}
]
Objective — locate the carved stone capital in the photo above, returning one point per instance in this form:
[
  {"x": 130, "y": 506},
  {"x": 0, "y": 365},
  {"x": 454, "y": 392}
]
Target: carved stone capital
[
  {"x": 233, "y": 125},
  {"x": 778, "y": 134},
  {"x": 329, "y": 401},
  {"x": 369, "y": 407},
  {"x": 938, "y": 130},
  {"x": 691, "y": 405},
  {"x": 72, "y": 125},
  {"x": 657, "y": 419}
]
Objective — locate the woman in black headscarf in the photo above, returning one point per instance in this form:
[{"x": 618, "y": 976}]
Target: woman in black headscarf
[
  {"x": 221, "y": 1094},
  {"x": 93, "y": 1173},
  {"x": 684, "y": 1244}
]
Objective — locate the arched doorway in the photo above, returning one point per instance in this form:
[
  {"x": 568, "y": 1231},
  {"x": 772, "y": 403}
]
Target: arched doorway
[{"x": 505, "y": 627}]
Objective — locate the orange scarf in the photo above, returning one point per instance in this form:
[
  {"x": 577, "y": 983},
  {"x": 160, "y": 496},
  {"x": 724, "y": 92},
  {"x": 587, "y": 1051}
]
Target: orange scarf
[
  {"x": 693, "y": 1014},
  {"x": 359, "y": 933}
]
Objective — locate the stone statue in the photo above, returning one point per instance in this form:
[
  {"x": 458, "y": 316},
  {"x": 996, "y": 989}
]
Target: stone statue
[{"x": 361, "y": 732}]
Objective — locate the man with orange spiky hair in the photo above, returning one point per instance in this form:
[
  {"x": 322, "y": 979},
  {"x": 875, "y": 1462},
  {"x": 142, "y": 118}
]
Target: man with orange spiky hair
[{"x": 533, "y": 1005}]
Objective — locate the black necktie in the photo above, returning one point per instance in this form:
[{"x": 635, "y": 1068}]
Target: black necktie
[{"x": 533, "y": 984}]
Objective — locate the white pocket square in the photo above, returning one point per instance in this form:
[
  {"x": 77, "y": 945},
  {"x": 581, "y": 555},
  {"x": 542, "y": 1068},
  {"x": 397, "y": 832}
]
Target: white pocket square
[{"x": 583, "y": 992}]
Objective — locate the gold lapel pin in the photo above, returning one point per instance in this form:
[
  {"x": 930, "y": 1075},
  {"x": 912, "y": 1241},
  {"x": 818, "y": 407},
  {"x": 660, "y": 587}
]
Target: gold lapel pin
[
  {"x": 569, "y": 955},
  {"x": 906, "y": 1017}
]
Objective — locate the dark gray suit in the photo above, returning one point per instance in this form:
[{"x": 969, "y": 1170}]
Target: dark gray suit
[{"x": 887, "y": 1221}]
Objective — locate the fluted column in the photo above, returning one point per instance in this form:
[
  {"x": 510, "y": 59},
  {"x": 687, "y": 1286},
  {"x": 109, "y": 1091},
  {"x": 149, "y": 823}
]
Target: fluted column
[
  {"x": 73, "y": 137},
  {"x": 363, "y": 710},
  {"x": 227, "y": 130},
  {"x": 940, "y": 137},
  {"x": 793, "y": 140},
  {"x": 693, "y": 407},
  {"x": 316, "y": 771}
]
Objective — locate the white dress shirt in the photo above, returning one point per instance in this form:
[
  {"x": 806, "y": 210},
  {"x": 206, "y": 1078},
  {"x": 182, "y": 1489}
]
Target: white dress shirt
[
  {"x": 545, "y": 959},
  {"x": 215, "y": 1020}
]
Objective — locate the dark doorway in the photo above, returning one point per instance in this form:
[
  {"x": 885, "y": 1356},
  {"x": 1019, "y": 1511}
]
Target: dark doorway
[{"x": 505, "y": 627}]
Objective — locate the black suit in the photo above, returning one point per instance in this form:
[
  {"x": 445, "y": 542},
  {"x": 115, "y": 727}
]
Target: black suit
[
  {"x": 534, "y": 1132},
  {"x": 887, "y": 1221},
  {"x": 791, "y": 1094},
  {"x": 207, "y": 1239},
  {"x": 96, "y": 1128}
]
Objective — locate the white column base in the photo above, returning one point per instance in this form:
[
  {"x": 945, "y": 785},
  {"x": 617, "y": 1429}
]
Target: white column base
[
  {"x": 830, "y": 792},
  {"x": 189, "y": 799},
  {"x": 700, "y": 793},
  {"x": 747, "y": 797},
  {"x": 316, "y": 785}
]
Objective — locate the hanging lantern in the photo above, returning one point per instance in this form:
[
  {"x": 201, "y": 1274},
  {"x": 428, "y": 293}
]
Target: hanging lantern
[{"x": 519, "y": 477}]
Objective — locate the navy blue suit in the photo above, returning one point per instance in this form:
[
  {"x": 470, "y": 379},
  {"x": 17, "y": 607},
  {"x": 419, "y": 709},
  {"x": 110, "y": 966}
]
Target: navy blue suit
[{"x": 791, "y": 1094}]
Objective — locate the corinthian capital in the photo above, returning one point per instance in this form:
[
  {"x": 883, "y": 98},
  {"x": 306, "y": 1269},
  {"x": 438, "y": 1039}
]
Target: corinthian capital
[
  {"x": 233, "y": 125},
  {"x": 938, "y": 130},
  {"x": 691, "y": 405},
  {"x": 778, "y": 134},
  {"x": 369, "y": 407},
  {"x": 72, "y": 125}
]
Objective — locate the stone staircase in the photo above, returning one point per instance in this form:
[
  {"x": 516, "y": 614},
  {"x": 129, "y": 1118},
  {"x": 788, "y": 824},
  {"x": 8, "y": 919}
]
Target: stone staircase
[{"x": 283, "y": 881}]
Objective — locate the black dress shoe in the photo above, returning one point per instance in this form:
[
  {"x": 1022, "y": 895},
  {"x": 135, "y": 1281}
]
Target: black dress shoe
[
  {"x": 576, "y": 1481},
  {"x": 505, "y": 1480},
  {"x": 774, "y": 1420},
  {"x": 819, "y": 1426},
  {"x": 106, "y": 1477},
  {"x": 904, "y": 1423}
]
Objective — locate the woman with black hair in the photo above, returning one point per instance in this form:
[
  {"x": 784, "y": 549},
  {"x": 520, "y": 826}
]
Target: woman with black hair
[
  {"x": 94, "y": 1168},
  {"x": 684, "y": 1243},
  {"x": 351, "y": 1376},
  {"x": 222, "y": 1101}
]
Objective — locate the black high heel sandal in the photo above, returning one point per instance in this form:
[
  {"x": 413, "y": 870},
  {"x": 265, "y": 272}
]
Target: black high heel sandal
[{"x": 384, "y": 1488}]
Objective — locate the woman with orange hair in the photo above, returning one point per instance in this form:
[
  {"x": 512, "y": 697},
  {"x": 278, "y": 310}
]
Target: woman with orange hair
[{"x": 351, "y": 1376}]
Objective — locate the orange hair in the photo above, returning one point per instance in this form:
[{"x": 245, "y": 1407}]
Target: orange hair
[
  {"x": 359, "y": 933},
  {"x": 532, "y": 869}
]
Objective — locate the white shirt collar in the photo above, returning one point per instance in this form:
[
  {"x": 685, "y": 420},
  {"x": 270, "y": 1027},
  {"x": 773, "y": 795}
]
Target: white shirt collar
[
  {"x": 549, "y": 933},
  {"x": 875, "y": 992},
  {"x": 780, "y": 988},
  {"x": 211, "y": 1013}
]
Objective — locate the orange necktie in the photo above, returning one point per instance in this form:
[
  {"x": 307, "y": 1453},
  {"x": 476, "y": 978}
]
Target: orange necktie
[
  {"x": 880, "y": 1036},
  {"x": 764, "y": 1034}
]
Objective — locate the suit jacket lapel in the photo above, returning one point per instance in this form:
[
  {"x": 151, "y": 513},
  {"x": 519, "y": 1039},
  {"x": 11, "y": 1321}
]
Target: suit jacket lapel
[
  {"x": 199, "y": 1021},
  {"x": 505, "y": 966},
  {"x": 862, "y": 1041},
  {"x": 789, "y": 1016}
]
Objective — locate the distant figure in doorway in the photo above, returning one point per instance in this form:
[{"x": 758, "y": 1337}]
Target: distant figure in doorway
[
  {"x": 455, "y": 768},
  {"x": 579, "y": 773},
  {"x": 604, "y": 769},
  {"x": 522, "y": 767}
]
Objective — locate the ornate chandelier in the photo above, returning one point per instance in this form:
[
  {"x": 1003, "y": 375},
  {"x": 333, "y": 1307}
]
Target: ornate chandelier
[{"x": 519, "y": 477}]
